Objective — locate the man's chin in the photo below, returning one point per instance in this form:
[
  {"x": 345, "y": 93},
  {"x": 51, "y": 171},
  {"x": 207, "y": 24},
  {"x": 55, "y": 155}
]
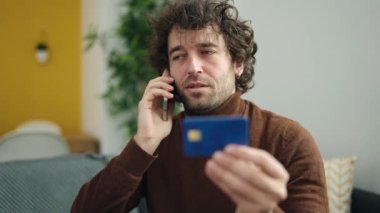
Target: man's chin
[
  {"x": 197, "y": 109},
  {"x": 197, "y": 105}
]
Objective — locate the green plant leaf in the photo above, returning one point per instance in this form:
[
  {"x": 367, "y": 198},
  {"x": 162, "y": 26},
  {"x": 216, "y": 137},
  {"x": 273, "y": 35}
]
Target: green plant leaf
[{"x": 129, "y": 70}]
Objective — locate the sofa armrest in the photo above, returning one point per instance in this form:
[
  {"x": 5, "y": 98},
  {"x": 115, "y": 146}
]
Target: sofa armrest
[{"x": 365, "y": 201}]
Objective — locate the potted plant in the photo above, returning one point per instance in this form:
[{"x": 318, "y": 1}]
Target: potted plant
[{"x": 129, "y": 68}]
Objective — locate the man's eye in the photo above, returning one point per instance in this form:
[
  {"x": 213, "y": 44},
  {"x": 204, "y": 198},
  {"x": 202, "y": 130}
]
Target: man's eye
[
  {"x": 177, "y": 57},
  {"x": 207, "y": 52}
]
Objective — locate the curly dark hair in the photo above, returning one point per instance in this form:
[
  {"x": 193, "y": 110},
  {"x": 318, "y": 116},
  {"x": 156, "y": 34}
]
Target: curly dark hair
[{"x": 198, "y": 14}]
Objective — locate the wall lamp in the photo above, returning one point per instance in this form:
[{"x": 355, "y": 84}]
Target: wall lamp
[{"x": 42, "y": 52}]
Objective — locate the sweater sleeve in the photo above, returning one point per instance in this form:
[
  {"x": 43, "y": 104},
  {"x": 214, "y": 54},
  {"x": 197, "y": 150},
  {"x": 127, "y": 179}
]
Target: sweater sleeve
[
  {"x": 307, "y": 184},
  {"x": 118, "y": 187}
]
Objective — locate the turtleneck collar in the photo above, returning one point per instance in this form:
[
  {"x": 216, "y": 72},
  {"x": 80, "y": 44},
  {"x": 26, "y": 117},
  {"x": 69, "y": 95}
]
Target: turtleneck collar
[{"x": 234, "y": 105}]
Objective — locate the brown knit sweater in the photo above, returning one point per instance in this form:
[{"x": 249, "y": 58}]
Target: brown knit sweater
[{"x": 174, "y": 183}]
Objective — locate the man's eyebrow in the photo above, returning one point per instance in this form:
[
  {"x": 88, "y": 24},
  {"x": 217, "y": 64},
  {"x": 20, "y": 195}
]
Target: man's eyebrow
[
  {"x": 176, "y": 48},
  {"x": 202, "y": 45},
  {"x": 207, "y": 44}
]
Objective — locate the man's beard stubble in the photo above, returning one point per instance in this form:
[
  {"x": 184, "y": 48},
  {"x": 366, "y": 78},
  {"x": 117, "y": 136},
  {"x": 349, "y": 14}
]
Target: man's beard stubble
[{"x": 206, "y": 102}]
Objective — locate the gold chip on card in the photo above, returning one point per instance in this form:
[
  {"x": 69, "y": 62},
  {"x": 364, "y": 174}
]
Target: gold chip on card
[{"x": 194, "y": 135}]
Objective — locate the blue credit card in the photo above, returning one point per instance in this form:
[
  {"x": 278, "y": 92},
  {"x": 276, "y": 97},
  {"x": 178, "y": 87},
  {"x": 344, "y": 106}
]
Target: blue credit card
[{"x": 202, "y": 136}]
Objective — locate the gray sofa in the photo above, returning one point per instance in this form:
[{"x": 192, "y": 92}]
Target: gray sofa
[
  {"x": 45, "y": 185},
  {"x": 51, "y": 184}
]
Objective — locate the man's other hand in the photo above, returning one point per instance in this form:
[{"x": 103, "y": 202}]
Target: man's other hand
[{"x": 252, "y": 178}]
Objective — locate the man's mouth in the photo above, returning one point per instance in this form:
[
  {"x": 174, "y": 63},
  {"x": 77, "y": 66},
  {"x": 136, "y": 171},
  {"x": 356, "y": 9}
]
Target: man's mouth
[{"x": 194, "y": 87}]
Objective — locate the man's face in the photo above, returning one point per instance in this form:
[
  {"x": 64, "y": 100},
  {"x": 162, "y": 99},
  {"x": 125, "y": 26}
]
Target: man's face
[{"x": 202, "y": 68}]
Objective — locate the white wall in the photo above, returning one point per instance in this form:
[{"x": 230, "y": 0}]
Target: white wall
[
  {"x": 318, "y": 63},
  {"x": 95, "y": 117}
]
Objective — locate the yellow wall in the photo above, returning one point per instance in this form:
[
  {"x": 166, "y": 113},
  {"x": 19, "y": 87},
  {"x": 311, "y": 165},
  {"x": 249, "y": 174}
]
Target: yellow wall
[{"x": 29, "y": 90}]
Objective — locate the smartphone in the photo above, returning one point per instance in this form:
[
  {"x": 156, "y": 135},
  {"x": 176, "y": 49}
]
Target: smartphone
[
  {"x": 176, "y": 94},
  {"x": 202, "y": 136},
  {"x": 165, "y": 109},
  {"x": 165, "y": 103}
]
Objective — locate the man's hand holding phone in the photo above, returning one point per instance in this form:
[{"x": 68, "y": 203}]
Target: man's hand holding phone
[{"x": 151, "y": 127}]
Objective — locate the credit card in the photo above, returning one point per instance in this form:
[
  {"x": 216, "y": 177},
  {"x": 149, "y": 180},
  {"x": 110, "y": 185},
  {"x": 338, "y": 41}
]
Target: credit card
[{"x": 202, "y": 136}]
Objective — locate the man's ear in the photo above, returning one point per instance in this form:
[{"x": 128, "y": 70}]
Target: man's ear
[{"x": 239, "y": 68}]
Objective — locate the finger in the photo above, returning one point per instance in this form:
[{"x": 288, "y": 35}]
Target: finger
[
  {"x": 261, "y": 158},
  {"x": 165, "y": 73},
  {"x": 237, "y": 189},
  {"x": 248, "y": 171},
  {"x": 158, "y": 85},
  {"x": 162, "y": 79},
  {"x": 213, "y": 171},
  {"x": 162, "y": 82},
  {"x": 154, "y": 96}
]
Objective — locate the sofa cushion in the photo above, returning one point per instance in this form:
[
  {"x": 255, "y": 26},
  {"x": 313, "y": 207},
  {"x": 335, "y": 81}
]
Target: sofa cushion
[
  {"x": 340, "y": 179},
  {"x": 46, "y": 185}
]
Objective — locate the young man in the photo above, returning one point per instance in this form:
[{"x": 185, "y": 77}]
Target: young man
[{"x": 208, "y": 54}]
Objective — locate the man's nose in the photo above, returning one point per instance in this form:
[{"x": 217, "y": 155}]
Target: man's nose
[{"x": 195, "y": 65}]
